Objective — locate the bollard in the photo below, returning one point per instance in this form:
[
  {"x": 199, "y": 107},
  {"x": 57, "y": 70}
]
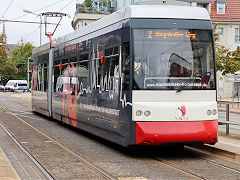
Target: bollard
[
  {"x": 227, "y": 118},
  {"x": 238, "y": 101}
]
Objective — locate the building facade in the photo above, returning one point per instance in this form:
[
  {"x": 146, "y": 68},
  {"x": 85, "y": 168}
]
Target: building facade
[
  {"x": 226, "y": 15},
  {"x": 84, "y": 16}
]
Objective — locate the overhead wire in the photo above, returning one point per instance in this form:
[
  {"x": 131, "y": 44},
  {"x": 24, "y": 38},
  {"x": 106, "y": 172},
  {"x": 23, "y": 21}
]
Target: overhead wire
[
  {"x": 63, "y": 8},
  {"x": 7, "y": 9},
  {"x": 39, "y": 27},
  {"x": 31, "y": 33},
  {"x": 66, "y": 5},
  {"x": 39, "y": 9}
]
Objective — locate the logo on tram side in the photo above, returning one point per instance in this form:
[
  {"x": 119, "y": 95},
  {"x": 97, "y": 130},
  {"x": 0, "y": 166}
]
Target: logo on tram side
[{"x": 181, "y": 113}]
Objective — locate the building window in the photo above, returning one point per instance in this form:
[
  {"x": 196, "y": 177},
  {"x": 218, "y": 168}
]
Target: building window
[
  {"x": 220, "y": 8},
  {"x": 202, "y": 5},
  {"x": 220, "y": 31},
  {"x": 237, "y": 34}
]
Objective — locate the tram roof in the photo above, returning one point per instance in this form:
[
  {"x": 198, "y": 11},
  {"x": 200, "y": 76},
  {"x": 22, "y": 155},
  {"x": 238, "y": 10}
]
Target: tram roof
[{"x": 137, "y": 12}]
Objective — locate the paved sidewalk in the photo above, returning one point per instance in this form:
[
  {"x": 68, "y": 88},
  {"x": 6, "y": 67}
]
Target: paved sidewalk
[{"x": 6, "y": 170}]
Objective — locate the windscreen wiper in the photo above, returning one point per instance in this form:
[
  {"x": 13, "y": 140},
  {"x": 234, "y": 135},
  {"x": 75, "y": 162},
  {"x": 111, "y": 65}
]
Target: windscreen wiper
[
  {"x": 187, "y": 83},
  {"x": 183, "y": 85}
]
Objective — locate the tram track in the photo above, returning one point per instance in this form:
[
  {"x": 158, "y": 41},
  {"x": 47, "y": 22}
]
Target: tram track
[
  {"x": 163, "y": 161},
  {"x": 179, "y": 169},
  {"x": 182, "y": 169},
  {"x": 214, "y": 163},
  {"x": 42, "y": 169},
  {"x": 105, "y": 174}
]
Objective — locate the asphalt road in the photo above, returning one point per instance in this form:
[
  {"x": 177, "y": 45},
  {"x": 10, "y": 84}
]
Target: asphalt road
[{"x": 121, "y": 163}]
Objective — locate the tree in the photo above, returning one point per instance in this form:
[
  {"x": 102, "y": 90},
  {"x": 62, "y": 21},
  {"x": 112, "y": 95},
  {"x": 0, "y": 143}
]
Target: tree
[
  {"x": 226, "y": 61},
  {"x": 19, "y": 58},
  {"x": 88, "y": 3},
  {"x": 7, "y": 68}
]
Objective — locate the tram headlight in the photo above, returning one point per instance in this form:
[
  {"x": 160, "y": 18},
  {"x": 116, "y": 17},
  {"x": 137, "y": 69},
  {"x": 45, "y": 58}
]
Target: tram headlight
[
  {"x": 214, "y": 112},
  {"x": 209, "y": 112},
  {"x": 138, "y": 112},
  {"x": 147, "y": 113}
]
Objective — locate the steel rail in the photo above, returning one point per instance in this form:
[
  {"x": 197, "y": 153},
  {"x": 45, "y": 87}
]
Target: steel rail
[
  {"x": 177, "y": 168},
  {"x": 88, "y": 163},
  {"x": 200, "y": 159},
  {"x": 42, "y": 169}
]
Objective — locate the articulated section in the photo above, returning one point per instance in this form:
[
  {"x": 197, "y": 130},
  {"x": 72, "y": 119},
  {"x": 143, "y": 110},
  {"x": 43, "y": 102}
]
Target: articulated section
[{"x": 154, "y": 133}]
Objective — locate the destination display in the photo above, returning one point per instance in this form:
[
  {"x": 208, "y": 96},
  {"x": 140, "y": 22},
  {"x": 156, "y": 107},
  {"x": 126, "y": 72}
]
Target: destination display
[{"x": 170, "y": 34}]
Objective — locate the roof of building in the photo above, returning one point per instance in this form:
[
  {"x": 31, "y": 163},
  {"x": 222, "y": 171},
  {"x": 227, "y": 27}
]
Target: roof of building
[{"x": 232, "y": 12}]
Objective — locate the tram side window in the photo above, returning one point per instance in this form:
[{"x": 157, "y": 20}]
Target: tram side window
[
  {"x": 112, "y": 54},
  {"x": 73, "y": 75},
  {"x": 83, "y": 57},
  {"x": 126, "y": 65},
  {"x": 99, "y": 65},
  {"x": 82, "y": 74},
  {"x": 42, "y": 77},
  {"x": 82, "y": 71}
]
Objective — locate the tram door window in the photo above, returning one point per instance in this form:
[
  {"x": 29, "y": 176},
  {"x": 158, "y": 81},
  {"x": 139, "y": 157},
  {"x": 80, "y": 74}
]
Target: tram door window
[
  {"x": 125, "y": 66},
  {"x": 39, "y": 75},
  {"x": 45, "y": 87},
  {"x": 57, "y": 72}
]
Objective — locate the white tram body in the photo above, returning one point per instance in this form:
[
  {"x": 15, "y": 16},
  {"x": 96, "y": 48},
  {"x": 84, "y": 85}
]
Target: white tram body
[{"x": 144, "y": 75}]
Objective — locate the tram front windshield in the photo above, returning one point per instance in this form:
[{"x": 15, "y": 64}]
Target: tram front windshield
[{"x": 173, "y": 59}]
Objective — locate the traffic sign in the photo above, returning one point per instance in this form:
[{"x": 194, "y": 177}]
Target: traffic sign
[{"x": 220, "y": 86}]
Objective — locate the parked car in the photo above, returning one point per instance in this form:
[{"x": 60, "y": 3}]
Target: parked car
[
  {"x": 2, "y": 88},
  {"x": 16, "y": 85}
]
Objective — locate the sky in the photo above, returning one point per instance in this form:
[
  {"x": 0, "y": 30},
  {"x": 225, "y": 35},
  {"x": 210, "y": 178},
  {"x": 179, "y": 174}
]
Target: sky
[{"x": 13, "y": 10}]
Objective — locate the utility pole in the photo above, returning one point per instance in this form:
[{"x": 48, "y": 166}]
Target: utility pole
[
  {"x": 4, "y": 33},
  {"x": 28, "y": 71}
]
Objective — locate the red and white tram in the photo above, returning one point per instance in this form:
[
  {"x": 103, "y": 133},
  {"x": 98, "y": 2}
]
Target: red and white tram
[{"x": 144, "y": 75}]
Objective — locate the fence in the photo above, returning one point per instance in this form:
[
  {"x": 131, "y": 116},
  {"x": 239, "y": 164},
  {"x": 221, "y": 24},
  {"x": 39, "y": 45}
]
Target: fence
[{"x": 227, "y": 121}]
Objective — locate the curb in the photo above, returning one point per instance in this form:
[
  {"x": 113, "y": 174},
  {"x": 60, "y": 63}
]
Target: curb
[{"x": 6, "y": 169}]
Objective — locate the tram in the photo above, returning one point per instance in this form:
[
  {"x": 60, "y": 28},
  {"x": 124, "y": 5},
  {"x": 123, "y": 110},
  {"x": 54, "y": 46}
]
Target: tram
[{"x": 144, "y": 75}]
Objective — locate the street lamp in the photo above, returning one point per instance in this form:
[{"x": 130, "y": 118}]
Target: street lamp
[{"x": 40, "y": 26}]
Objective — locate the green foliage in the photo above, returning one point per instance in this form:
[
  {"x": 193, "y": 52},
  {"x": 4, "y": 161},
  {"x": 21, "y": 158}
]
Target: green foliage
[
  {"x": 104, "y": 2},
  {"x": 7, "y": 68},
  {"x": 19, "y": 58},
  {"x": 228, "y": 62},
  {"x": 88, "y": 3}
]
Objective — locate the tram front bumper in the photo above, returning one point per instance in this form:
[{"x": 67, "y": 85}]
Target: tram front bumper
[{"x": 155, "y": 133}]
